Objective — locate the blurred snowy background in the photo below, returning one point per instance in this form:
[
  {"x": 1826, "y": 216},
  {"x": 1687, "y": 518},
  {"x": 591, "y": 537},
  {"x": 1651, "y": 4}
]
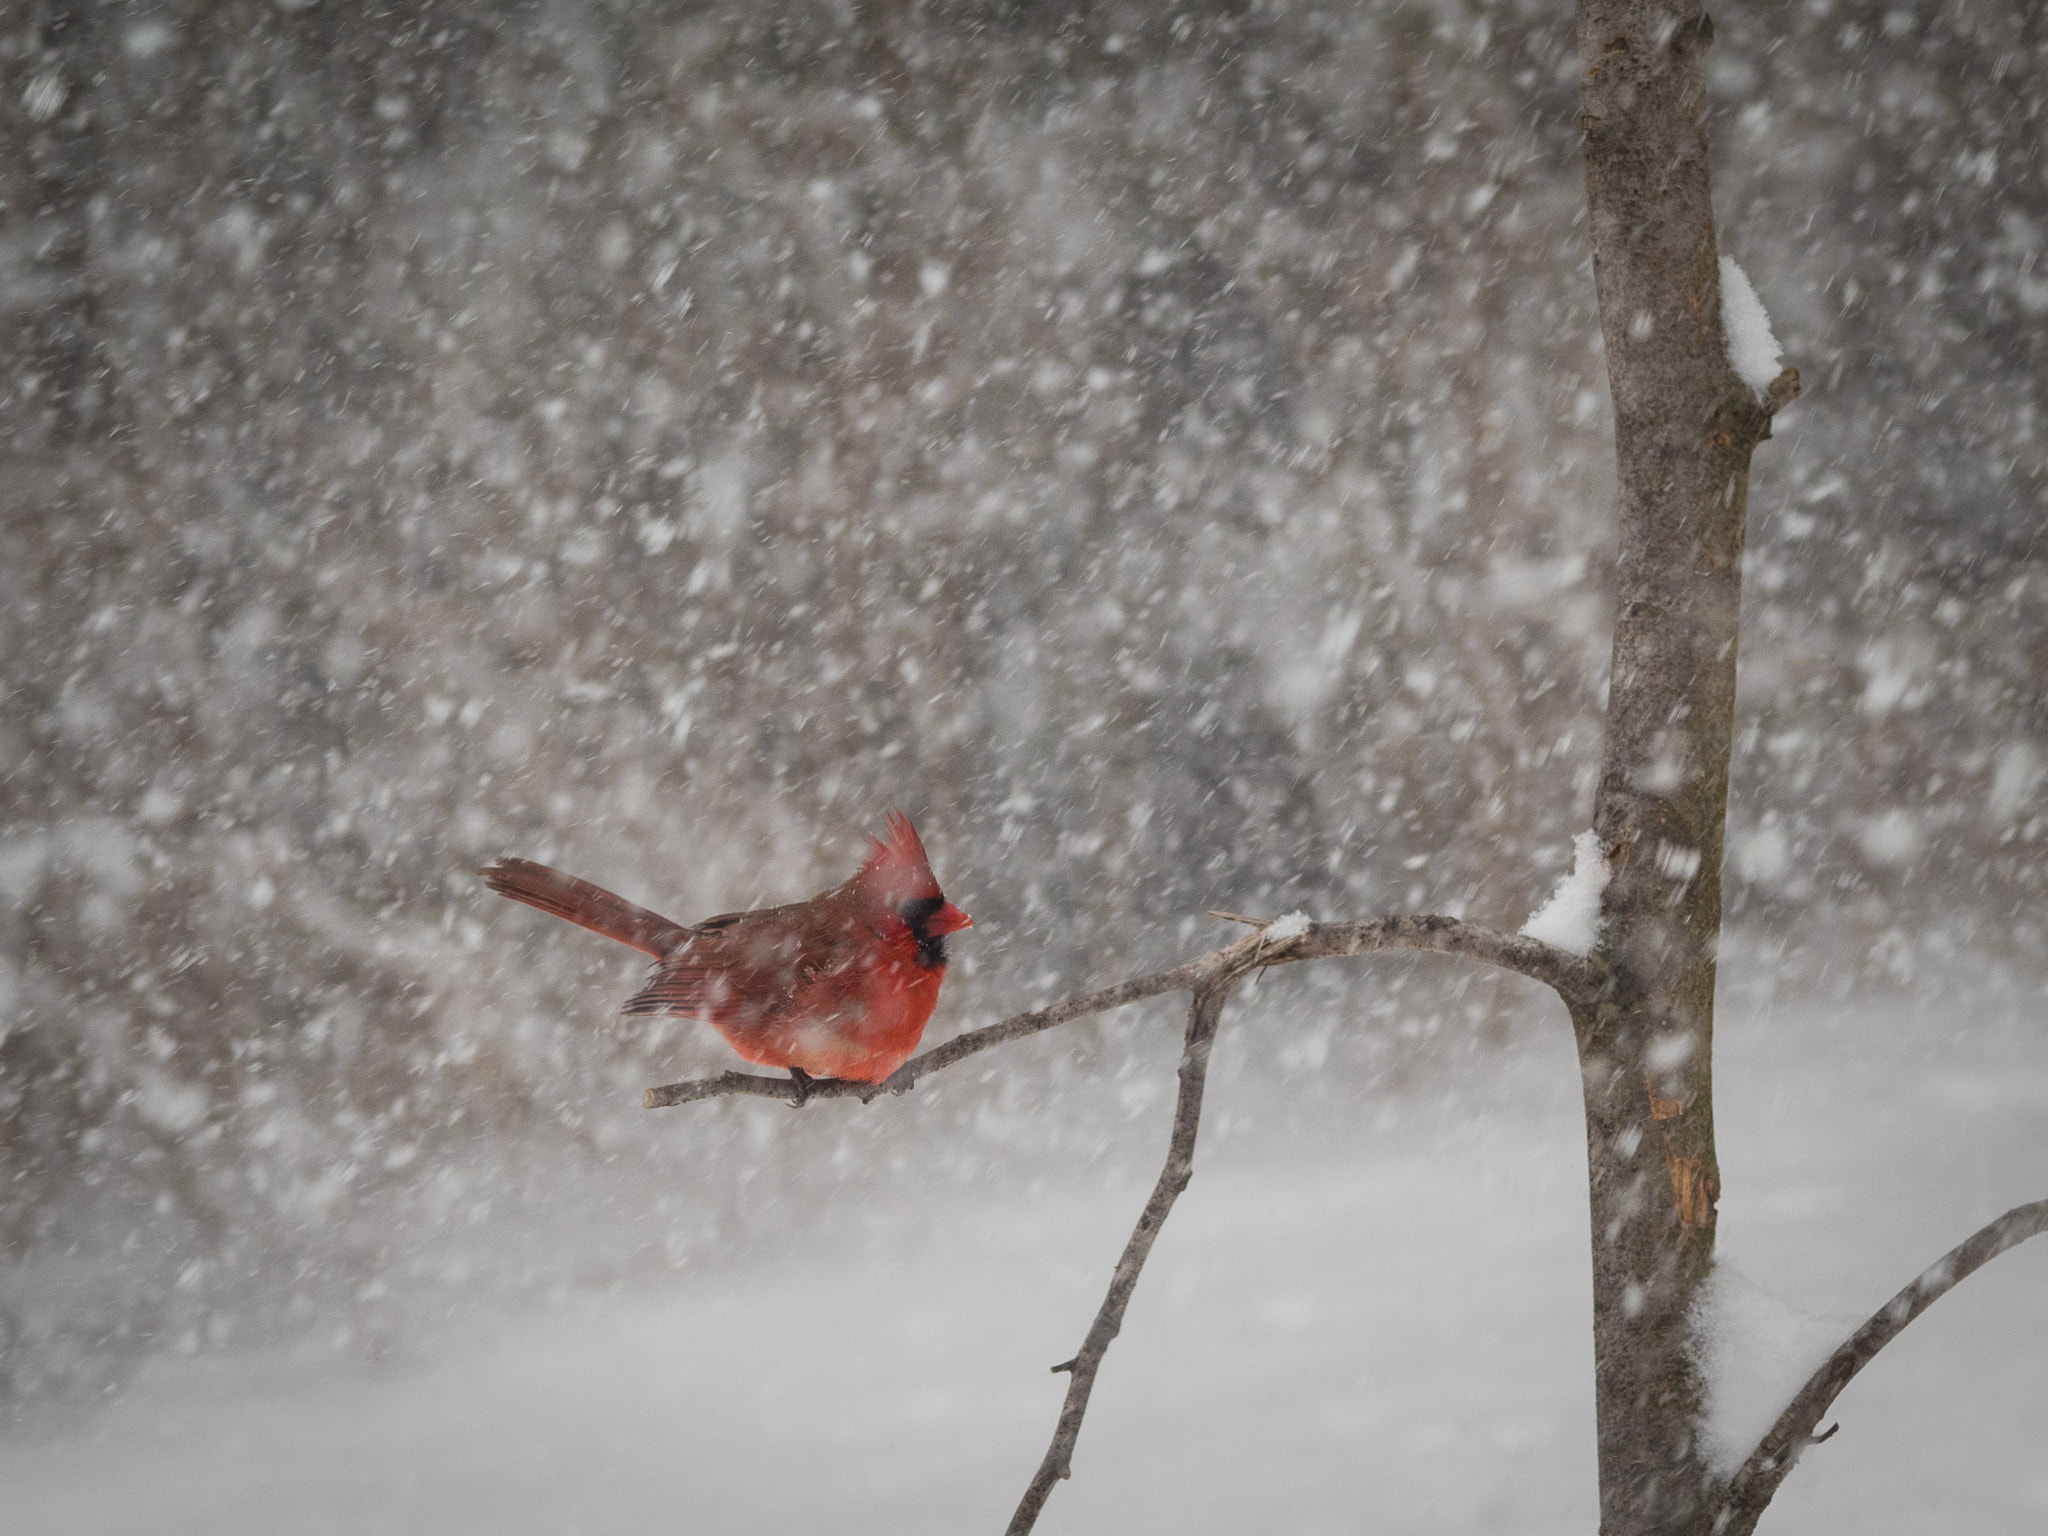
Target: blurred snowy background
[{"x": 1164, "y": 449}]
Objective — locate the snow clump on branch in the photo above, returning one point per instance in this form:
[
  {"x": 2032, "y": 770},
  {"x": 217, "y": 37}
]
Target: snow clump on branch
[
  {"x": 1752, "y": 348},
  {"x": 1292, "y": 926},
  {"x": 1757, "y": 1351},
  {"x": 1570, "y": 920}
]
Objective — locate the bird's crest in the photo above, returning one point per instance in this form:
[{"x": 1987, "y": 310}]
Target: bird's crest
[{"x": 897, "y": 869}]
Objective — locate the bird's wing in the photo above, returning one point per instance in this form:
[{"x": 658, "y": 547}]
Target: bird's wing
[{"x": 749, "y": 969}]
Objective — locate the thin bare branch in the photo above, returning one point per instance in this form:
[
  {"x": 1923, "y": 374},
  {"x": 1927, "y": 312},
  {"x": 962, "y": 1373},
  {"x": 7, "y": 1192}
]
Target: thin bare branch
[
  {"x": 1203, "y": 1016},
  {"x": 1752, "y": 1487},
  {"x": 1570, "y": 975},
  {"x": 1573, "y": 977},
  {"x": 906, "y": 1077}
]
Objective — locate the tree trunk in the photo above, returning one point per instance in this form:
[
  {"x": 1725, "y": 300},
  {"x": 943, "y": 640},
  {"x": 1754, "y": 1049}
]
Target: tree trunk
[
  {"x": 61, "y": 334},
  {"x": 1685, "y": 425}
]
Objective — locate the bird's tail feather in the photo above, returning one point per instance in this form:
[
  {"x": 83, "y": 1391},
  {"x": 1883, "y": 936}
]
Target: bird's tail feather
[{"x": 586, "y": 905}]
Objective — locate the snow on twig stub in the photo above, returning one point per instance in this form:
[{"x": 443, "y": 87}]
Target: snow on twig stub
[
  {"x": 1752, "y": 348},
  {"x": 1570, "y": 920}
]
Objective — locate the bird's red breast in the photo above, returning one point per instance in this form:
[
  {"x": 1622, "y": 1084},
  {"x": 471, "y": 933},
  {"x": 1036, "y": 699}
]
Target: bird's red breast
[{"x": 840, "y": 986}]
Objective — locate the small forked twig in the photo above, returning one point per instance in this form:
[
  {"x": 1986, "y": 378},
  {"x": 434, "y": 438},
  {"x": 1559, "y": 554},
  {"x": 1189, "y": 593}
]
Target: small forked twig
[{"x": 1239, "y": 917}]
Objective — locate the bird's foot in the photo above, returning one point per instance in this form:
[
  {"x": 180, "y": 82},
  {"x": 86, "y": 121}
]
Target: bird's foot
[{"x": 806, "y": 1085}]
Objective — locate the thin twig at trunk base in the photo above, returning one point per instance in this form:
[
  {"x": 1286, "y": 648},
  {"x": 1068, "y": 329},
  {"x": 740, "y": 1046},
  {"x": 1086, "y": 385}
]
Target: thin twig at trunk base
[{"x": 1750, "y": 1490}]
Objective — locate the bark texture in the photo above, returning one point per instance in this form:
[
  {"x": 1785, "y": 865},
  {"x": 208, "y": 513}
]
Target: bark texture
[
  {"x": 62, "y": 341},
  {"x": 1685, "y": 425}
]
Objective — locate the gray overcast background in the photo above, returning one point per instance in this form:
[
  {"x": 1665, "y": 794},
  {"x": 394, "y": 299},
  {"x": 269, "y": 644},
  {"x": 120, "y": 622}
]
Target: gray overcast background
[{"x": 1164, "y": 449}]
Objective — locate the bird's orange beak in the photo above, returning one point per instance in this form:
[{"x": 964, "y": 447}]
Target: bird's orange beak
[{"x": 948, "y": 919}]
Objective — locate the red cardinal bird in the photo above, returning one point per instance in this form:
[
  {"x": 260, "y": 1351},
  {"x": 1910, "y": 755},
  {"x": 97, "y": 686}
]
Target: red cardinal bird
[{"x": 841, "y": 985}]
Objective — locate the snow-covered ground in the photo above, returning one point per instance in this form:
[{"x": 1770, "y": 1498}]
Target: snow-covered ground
[{"x": 1376, "y": 1322}]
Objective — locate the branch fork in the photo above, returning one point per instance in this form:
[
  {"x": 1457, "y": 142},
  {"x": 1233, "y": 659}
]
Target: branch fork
[{"x": 1209, "y": 978}]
